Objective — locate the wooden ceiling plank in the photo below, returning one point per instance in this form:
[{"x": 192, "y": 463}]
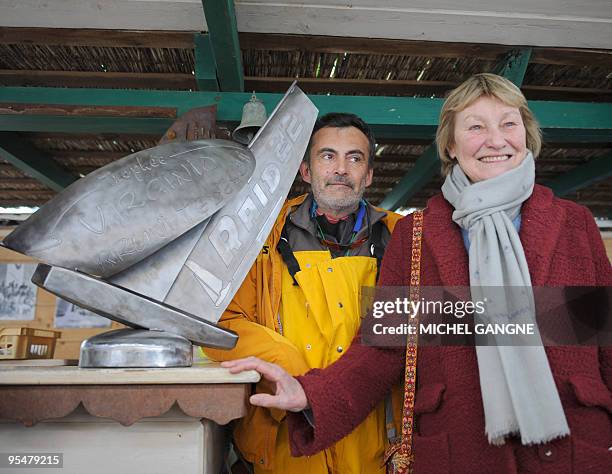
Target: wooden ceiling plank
[
  {"x": 119, "y": 80},
  {"x": 584, "y": 24},
  {"x": 86, "y": 110},
  {"x": 432, "y": 49},
  {"x": 354, "y": 45},
  {"x": 572, "y": 56},
  {"x": 171, "y": 15},
  {"x": 97, "y": 37},
  {"x": 45, "y": 194}
]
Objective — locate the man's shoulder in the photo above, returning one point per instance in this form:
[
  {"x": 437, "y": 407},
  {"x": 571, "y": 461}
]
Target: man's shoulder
[
  {"x": 294, "y": 202},
  {"x": 389, "y": 218},
  {"x": 289, "y": 206}
]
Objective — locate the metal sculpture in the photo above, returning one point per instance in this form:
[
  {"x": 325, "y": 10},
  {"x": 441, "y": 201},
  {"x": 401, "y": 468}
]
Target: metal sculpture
[{"x": 163, "y": 238}]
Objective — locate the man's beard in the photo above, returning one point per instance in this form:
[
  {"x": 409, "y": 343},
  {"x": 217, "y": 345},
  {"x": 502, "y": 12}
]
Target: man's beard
[{"x": 339, "y": 204}]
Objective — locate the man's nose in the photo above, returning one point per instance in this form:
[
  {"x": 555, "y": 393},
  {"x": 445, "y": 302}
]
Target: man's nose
[{"x": 340, "y": 167}]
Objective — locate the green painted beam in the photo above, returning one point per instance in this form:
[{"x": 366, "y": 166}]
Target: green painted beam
[
  {"x": 512, "y": 67},
  {"x": 221, "y": 20},
  {"x": 390, "y": 117},
  {"x": 205, "y": 64},
  {"x": 393, "y": 111},
  {"x": 582, "y": 176},
  {"x": 33, "y": 162},
  {"x": 86, "y": 124},
  {"x": 420, "y": 174}
]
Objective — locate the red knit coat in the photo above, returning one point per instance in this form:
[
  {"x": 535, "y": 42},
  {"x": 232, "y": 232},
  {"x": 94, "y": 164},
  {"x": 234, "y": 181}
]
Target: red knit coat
[{"x": 563, "y": 247}]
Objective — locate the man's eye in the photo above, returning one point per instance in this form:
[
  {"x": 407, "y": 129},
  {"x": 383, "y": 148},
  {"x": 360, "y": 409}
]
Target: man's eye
[
  {"x": 355, "y": 158},
  {"x": 327, "y": 156}
]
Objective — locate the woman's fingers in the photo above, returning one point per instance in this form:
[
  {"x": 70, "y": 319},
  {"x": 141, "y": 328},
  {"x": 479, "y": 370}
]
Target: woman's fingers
[
  {"x": 266, "y": 400},
  {"x": 289, "y": 393},
  {"x": 267, "y": 369}
]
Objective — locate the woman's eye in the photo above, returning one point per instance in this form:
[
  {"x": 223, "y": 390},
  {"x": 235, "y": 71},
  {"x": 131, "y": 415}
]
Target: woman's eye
[
  {"x": 475, "y": 127},
  {"x": 509, "y": 124}
]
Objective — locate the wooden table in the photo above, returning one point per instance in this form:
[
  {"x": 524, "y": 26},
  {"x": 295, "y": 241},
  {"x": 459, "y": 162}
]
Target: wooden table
[{"x": 122, "y": 420}]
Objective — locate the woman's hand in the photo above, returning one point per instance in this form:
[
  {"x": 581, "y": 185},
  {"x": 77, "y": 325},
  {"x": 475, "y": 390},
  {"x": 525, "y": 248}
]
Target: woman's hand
[{"x": 289, "y": 394}]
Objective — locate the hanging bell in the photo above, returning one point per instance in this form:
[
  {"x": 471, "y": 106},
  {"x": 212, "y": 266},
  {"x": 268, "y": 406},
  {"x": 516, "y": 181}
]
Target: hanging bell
[{"x": 253, "y": 117}]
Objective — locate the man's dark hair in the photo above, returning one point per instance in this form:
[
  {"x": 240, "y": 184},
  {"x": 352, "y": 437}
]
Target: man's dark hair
[{"x": 342, "y": 120}]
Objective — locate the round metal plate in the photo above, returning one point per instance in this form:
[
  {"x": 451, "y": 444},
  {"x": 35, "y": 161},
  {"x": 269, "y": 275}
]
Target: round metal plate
[{"x": 136, "y": 348}]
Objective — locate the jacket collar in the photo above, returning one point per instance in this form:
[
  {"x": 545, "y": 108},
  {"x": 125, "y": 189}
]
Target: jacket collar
[
  {"x": 300, "y": 217},
  {"x": 541, "y": 225}
]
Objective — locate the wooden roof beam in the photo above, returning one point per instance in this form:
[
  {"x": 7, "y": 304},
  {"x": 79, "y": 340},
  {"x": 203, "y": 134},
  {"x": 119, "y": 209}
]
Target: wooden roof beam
[
  {"x": 391, "y": 117},
  {"x": 223, "y": 32},
  {"x": 97, "y": 37},
  {"x": 205, "y": 64},
  {"x": 119, "y": 80},
  {"x": 582, "y": 176}
]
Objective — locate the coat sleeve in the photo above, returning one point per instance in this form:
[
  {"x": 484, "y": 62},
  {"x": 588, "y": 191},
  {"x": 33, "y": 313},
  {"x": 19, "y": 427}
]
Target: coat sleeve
[
  {"x": 343, "y": 394},
  {"x": 255, "y": 339},
  {"x": 603, "y": 271}
]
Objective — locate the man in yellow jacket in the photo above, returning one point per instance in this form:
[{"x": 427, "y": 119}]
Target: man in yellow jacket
[{"x": 299, "y": 305}]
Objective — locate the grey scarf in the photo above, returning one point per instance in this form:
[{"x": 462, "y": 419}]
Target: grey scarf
[{"x": 518, "y": 390}]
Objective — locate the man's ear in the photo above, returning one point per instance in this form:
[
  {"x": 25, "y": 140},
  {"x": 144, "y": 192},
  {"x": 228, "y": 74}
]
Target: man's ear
[
  {"x": 305, "y": 171},
  {"x": 369, "y": 177}
]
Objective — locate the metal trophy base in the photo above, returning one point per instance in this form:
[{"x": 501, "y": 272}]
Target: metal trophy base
[{"x": 136, "y": 348}]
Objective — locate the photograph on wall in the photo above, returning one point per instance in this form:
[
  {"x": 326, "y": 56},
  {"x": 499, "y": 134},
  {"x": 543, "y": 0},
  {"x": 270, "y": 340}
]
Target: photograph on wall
[
  {"x": 17, "y": 292},
  {"x": 68, "y": 315}
]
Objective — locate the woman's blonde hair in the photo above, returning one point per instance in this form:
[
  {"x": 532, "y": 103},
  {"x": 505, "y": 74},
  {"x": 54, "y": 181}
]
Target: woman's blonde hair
[{"x": 489, "y": 85}]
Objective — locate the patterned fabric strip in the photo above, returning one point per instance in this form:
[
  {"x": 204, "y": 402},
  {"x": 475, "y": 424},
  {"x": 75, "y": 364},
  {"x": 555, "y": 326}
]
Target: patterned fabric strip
[{"x": 411, "y": 347}]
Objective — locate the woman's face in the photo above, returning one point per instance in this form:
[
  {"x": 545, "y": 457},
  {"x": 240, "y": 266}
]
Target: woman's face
[{"x": 490, "y": 139}]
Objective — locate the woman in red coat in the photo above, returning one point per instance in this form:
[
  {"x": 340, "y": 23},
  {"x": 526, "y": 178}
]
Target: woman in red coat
[{"x": 485, "y": 409}]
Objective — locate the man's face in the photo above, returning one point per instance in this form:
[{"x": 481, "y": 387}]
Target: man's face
[{"x": 338, "y": 171}]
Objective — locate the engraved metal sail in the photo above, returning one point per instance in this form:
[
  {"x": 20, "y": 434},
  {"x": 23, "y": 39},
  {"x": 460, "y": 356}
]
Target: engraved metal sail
[{"x": 125, "y": 211}]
